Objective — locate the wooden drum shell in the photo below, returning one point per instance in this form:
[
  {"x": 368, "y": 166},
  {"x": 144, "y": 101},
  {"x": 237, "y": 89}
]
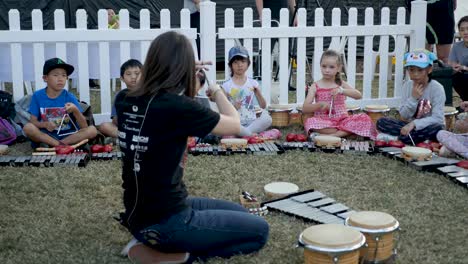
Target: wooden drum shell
[
  {"x": 450, "y": 113},
  {"x": 375, "y": 112},
  {"x": 379, "y": 239},
  {"x": 279, "y": 115}
]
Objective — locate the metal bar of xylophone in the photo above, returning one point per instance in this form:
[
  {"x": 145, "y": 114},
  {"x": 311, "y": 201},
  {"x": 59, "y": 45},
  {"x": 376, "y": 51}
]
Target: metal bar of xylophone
[
  {"x": 357, "y": 147},
  {"x": 298, "y": 146},
  {"x": 312, "y": 206},
  {"x": 114, "y": 155},
  {"x": 78, "y": 160},
  {"x": 266, "y": 148},
  {"x": 455, "y": 173}
]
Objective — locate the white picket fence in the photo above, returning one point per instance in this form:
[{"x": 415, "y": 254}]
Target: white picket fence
[{"x": 126, "y": 40}]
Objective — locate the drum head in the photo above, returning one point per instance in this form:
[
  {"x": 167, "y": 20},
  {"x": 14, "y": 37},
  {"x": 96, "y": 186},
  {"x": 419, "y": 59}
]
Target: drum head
[
  {"x": 416, "y": 152},
  {"x": 279, "y": 108},
  {"x": 258, "y": 110},
  {"x": 449, "y": 110},
  {"x": 327, "y": 140},
  {"x": 377, "y": 108},
  {"x": 3, "y": 149},
  {"x": 371, "y": 220},
  {"x": 234, "y": 141},
  {"x": 351, "y": 107},
  {"x": 281, "y": 188},
  {"x": 332, "y": 236}
]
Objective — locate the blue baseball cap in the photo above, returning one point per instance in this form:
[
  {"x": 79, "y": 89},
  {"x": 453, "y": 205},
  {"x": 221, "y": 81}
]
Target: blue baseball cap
[
  {"x": 420, "y": 58},
  {"x": 238, "y": 51}
]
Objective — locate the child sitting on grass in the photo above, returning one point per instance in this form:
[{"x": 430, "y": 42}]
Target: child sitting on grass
[
  {"x": 129, "y": 74},
  {"x": 422, "y": 105},
  {"x": 242, "y": 91},
  {"x": 455, "y": 143},
  {"x": 326, "y": 99},
  {"x": 54, "y": 111}
]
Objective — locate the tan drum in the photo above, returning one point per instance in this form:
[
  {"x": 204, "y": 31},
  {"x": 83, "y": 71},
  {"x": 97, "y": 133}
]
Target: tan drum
[
  {"x": 276, "y": 190},
  {"x": 450, "y": 113},
  {"x": 327, "y": 141},
  {"x": 331, "y": 243},
  {"x": 376, "y": 111},
  {"x": 304, "y": 116},
  {"x": 279, "y": 114},
  {"x": 379, "y": 228},
  {"x": 3, "y": 149},
  {"x": 416, "y": 153},
  {"x": 352, "y": 109}
]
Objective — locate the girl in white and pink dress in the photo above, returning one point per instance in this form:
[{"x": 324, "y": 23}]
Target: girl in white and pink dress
[{"x": 326, "y": 99}]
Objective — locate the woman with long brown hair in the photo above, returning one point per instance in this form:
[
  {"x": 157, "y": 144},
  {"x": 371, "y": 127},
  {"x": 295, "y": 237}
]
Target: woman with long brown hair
[{"x": 154, "y": 123}]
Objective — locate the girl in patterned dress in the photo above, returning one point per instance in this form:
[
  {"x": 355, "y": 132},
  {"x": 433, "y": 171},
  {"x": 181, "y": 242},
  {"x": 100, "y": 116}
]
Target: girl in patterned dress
[{"x": 326, "y": 99}]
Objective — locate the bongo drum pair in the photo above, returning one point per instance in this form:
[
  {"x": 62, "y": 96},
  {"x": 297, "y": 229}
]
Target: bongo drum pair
[
  {"x": 375, "y": 112},
  {"x": 279, "y": 114},
  {"x": 367, "y": 235},
  {"x": 450, "y": 113}
]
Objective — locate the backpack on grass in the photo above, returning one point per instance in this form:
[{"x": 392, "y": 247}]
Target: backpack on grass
[{"x": 7, "y": 132}]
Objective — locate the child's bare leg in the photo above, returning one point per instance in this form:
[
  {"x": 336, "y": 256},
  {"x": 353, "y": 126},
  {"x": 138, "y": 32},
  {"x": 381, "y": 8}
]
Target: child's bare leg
[
  {"x": 108, "y": 129},
  {"x": 341, "y": 133},
  {"x": 84, "y": 133},
  {"x": 36, "y": 135}
]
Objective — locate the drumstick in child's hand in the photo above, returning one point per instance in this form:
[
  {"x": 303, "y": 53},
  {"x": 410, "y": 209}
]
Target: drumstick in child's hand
[{"x": 331, "y": 106}]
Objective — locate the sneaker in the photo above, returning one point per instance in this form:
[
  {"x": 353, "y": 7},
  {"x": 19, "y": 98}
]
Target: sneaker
[
  {"x": 271, "y": 134},
  {"x": 140, "y": 253},
  {"x": 386, "y": 137}
]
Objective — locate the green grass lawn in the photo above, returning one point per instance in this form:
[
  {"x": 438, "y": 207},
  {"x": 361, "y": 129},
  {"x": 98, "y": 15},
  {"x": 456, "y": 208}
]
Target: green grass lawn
[{"x": 64, "y": 215}]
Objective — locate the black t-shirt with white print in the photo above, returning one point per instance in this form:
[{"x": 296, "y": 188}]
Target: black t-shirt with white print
[{"x": 154, "y": 158}]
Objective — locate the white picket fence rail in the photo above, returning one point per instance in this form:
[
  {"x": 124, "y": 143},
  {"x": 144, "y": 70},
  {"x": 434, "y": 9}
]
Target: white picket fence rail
[{"x": 126, "y": 40}]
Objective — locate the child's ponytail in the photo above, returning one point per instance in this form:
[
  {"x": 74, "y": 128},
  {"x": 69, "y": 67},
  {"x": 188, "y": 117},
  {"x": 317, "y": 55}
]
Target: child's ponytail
[{"x": 338, "y": 79}]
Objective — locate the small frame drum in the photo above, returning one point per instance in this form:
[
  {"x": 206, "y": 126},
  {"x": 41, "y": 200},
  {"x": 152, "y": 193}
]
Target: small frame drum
[
  {"x": 376, "y": 111},
  {"x": 238, "y": 142},
  {"x": 277, "y": 190},
  {"x": 331, "y": 243},
  {"x": 450, "y": 113},
  {"x": 304, "y": 116},
  {"x": 4, "y": 149},
  {"x": 327, "y": 141},
  {"x": 352, "y": 109},
  {"x": 416, "y": 153},
  {"x": 379, "y": 228},
  {"x": 279, "y": 115}
]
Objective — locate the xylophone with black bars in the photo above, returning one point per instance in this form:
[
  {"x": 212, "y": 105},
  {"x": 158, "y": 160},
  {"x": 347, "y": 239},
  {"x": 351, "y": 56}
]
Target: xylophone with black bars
[
  {"x": 312, "y": 206},
  {"x": 267, "y": 148},
  {"x": 114, "y": 155},
  {"x": 455, "y": 173},
  {"x": 357, "y": 147},
  {"x": 424, "y": 165},
  {"x": 71, "y": 160}
]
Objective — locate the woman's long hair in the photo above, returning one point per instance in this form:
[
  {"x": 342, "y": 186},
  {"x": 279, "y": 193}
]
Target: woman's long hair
[
  {"x": 335, "y": 54},
  {"x": 169, "y": 65}
]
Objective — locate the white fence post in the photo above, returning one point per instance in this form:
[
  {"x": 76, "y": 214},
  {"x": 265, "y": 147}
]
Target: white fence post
[
  {"x": 16, "y": 56},
  {"x": 400, "y": 48},
  {"x": 144, "y": 24},
  {"x": 318, "y": 44},
  {"x": 283, "y": 58},
  {"x": 248, "y": 42},
  {"x": 83, "y": 65},
  {"x": 38, "y": 49},
  {"x": 104, "y": 65},
  {"x": 266, "y": 57},
  {"x": 60, "y": 47},
  {"x": 368, "y": 53},
  {"x": 208, "y": 36},
  {"x": 352, "y": 44},
  {"x": 383, "y": 53},
  {"x": 124, "y": 24},
  {"x": 228, "y": 43},
  {"x": 418, "y": 24},
  {"x": 301, "y": 58}
]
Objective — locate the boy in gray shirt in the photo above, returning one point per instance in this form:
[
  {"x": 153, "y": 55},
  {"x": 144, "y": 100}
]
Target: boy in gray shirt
[{"x": 422, "y": 105}]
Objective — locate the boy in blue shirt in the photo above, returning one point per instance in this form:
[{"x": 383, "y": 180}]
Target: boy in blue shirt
[
  {"x": 129, "y": 74},
  {"x": 52, "y": 109}
]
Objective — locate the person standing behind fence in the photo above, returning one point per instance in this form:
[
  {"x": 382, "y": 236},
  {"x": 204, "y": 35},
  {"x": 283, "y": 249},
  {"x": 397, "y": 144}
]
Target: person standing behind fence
[
  {"x": 243, "y": 92},
  {"x": 458, "y": 59},
  {"x": 326, "y": 99},
  {"x": 53, "y": 110},
  {"x": 422, "y": 107},
  {"x": 154, "y": 122},
  {"x": 440, "y": 26},
  {"x": 194, "y": 7},
  {"x": 112, "y": 19},
  {"x": 129, "y": 74}
]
